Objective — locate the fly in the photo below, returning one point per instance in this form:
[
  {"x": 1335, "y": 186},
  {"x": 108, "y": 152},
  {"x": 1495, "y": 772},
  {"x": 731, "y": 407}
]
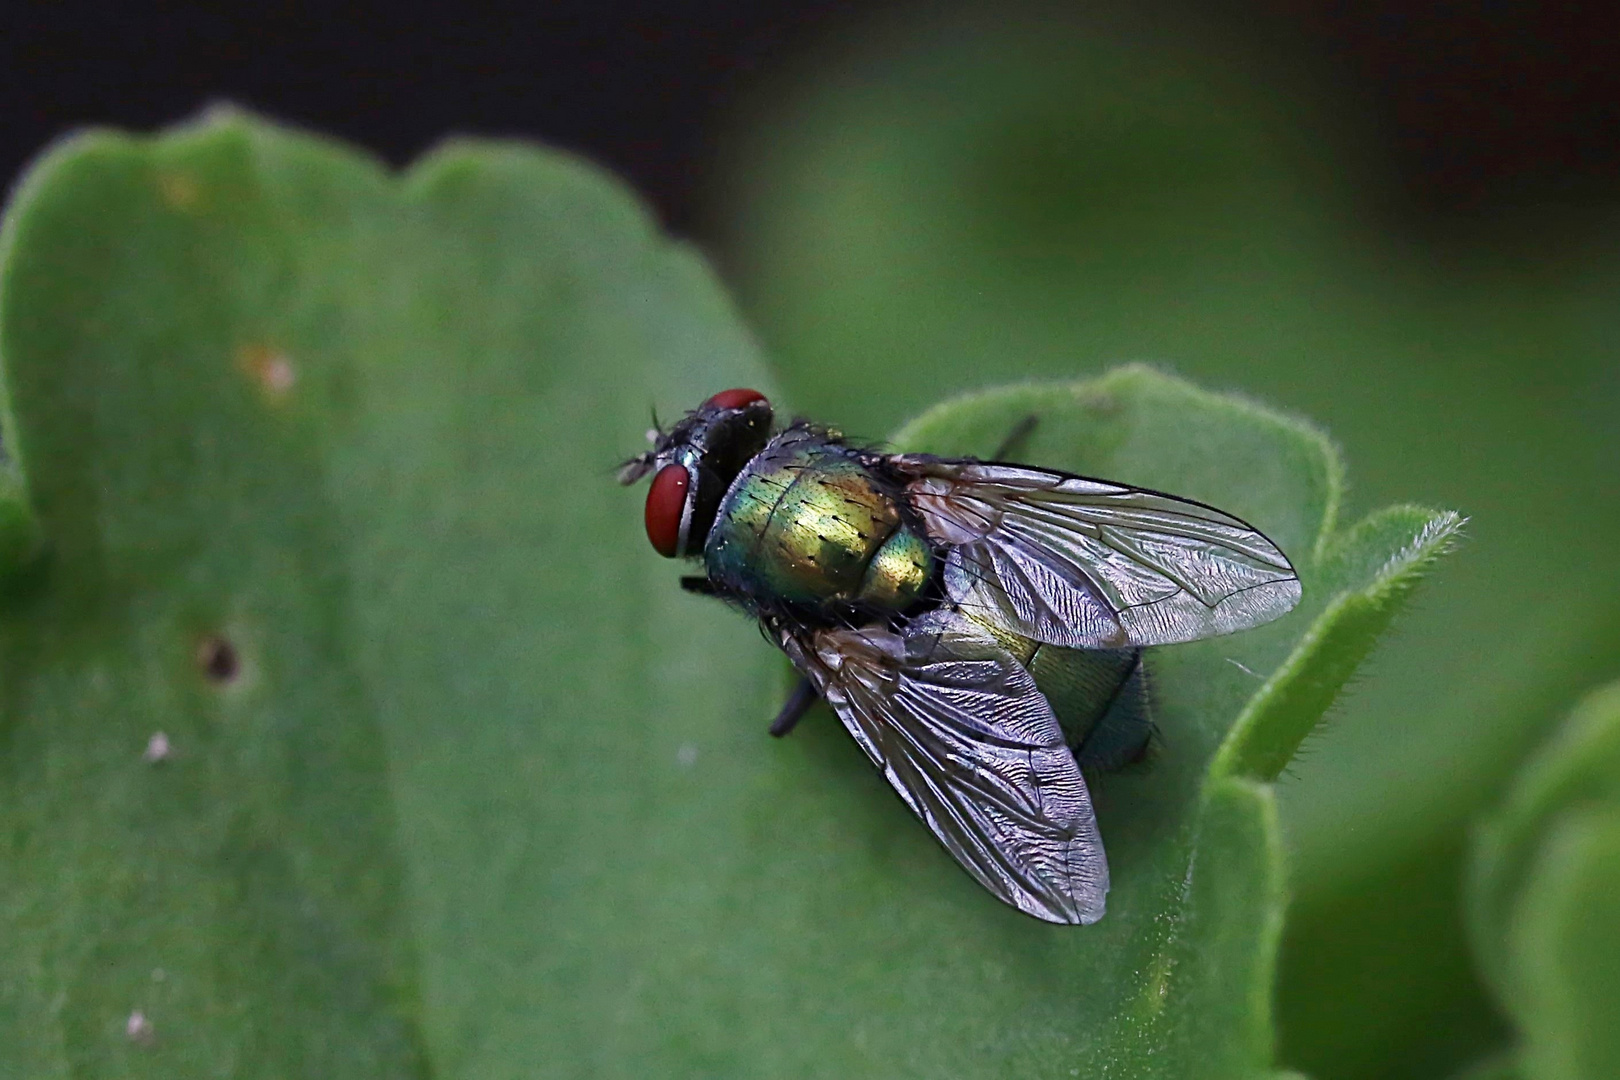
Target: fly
[{"x": 977, "y": 626}]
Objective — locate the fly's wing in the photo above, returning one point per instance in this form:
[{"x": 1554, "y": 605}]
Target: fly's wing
[
  {"x": 1088, "y": 564},
  {"x": 960, "y": 730}
]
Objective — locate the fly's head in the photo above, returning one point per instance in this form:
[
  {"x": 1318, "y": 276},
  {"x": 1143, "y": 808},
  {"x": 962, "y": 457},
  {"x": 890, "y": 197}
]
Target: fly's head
[{"x": 693, "y": 463}]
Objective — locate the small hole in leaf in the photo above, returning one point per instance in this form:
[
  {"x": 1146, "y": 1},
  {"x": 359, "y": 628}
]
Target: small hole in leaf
[{"x": 218, "y": 659}]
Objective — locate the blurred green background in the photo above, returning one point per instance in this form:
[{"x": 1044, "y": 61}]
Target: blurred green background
[{"x": 913, "y": 200}]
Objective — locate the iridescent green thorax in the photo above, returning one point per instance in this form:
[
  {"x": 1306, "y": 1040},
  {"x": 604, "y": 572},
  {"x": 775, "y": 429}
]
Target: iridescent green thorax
[{"x": 806, "y": 522}]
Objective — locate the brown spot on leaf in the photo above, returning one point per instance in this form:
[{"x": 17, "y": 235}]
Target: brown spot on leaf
[
  {"x": 270, "y": 368},
  {"x": 178, "y": 190}
]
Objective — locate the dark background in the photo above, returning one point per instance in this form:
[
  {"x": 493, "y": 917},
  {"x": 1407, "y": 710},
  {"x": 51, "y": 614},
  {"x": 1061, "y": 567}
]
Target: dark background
[{"x": 1483, "y": 108}]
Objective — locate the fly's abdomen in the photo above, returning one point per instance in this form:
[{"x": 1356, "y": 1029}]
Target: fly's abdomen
[
  {"x": 805, "y": 522},
  {"x": 1099, "y": 696}
]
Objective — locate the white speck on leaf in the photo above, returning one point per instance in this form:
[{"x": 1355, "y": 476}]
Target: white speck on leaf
[
  {"x": 157, "y": 748},
  {"x": 686, "y": 756},
  {"x": 279, "y": 375},
  {"x": 138, "y": 1028}
]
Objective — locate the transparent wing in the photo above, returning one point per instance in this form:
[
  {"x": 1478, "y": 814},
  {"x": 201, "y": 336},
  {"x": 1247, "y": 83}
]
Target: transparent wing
[
  {"x": 1088, "y": 564},
  {"x": 960, "y": 730}
]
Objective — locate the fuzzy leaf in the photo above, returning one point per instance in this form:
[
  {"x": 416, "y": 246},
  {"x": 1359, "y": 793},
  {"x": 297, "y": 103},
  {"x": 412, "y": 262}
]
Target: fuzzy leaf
[
  {"x": 362, "y": 429},
  {"x": 454, "y": 778}
]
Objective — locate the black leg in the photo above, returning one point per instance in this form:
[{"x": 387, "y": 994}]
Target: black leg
[
  {"x": 700, "y": 585},
  {"x": 798, "y": 703},
  {"x": 1018, "y": 434}
]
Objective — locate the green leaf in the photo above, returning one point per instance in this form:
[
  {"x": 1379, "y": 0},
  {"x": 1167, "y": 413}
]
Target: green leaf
[
  {"x": 1225, "y": 951},
  {"x": 1579, "y": 766},
  {"x": 1566, "y": 951},
  {"x": 1544, "y": 890},
  {"x": 19, "y": 530},
  {"x": 1498, "y": 1067},
  {"x": 458, "y": 781},
  {"x": 363, "y": 430}
]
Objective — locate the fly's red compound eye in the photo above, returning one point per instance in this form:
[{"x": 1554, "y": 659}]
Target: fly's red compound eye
[
  {"x": 666, "y": 502},
  {"x": 733, "y": 399}
]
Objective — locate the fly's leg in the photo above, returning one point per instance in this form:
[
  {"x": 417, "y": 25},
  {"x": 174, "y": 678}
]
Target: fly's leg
[
  {"x": 700, "y": 585},
  {"x": 798, "y": 703},
  {"x": 1018, "y": 434}
]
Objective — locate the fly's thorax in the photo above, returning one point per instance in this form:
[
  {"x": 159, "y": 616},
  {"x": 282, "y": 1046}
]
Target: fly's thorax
[
  {"x": 808, "y": 523},
  {"x": 898, "y": 571}
]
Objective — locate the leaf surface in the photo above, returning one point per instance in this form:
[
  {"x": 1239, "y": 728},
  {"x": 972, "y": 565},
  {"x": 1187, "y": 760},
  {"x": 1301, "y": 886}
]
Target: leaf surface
[
  {"x": 360, "y": 430},
  {"x": 457, "y": 781}
]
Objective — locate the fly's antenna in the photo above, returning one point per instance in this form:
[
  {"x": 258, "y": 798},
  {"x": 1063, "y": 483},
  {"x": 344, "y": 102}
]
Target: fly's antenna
[{"x": 635, "y": 468}]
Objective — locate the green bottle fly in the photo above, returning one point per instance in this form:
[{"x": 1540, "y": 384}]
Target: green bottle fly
[{"x": 977, "y": 626}]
